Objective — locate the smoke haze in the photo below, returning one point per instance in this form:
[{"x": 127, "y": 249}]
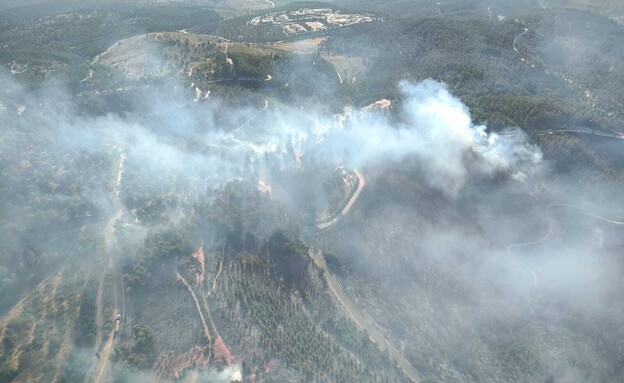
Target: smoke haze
[{"x": 464, "y": 244}]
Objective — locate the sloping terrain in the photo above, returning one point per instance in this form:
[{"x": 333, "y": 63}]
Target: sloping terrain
[{"x": 394, "y": 191}]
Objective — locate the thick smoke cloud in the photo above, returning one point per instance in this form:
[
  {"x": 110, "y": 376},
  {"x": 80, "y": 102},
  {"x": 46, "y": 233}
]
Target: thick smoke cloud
[
  {"x": 435, "y": 128},
  {"x": 189, "y": 148}
]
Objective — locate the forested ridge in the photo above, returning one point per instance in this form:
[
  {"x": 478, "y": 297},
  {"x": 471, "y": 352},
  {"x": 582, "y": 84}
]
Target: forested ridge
[{"x": 188, "y": 196}]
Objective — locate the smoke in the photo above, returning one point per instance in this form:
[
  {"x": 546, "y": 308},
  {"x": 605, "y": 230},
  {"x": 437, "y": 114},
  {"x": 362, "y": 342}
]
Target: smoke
[
  {"x": 184, "y": 148},
  {"x": 435, "y": 129},
  {"x": 438, "y": 131},
  {"x": 227, "y": 375}
]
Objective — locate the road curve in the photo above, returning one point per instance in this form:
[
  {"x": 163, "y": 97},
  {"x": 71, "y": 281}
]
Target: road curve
[
  {"x": 550, "y": 224},
  {"x": 345, "y": 211},
  {"x": 515, "y": 40},
  {"x": 349, "y": 307},
  {"x": 512, "y": 246},
  {"x": 536, "y": 242}
]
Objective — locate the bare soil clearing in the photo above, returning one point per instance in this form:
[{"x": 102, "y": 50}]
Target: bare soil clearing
[
  {"x": 347, "y": 67},
  {"x": 305, "y": 46},
  {"x": 134, "y": 56}
]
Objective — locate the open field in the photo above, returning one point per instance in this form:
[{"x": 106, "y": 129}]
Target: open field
[
  {"x": 348, "y": 67},
  {"x": 306, "y": 46}
]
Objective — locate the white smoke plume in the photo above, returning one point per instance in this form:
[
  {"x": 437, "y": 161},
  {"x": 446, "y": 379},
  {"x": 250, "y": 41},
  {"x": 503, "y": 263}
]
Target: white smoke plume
[{"x": 436, "y": 128}]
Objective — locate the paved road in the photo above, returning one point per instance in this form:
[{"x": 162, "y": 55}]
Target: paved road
[
  {"x": 619, "y": 136},
  {"x": 360, "y": 320},
  {"x": 345, "y": 211}
]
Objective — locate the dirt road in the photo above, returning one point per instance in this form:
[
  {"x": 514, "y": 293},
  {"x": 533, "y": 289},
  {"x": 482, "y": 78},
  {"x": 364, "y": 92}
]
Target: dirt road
[
  {"x": 109, "y": 238},
  {"x": 531, "y": 61},
  {"x": 339, "y": 76},
  {"x": 513, "y": 246},
  {"x": 361, "y": 321},
  {"x": 515, "y": 40},
  {"x": 190, "y": 73},
  {"x": 345, "y": 211},
  {"x": 618, "y": 136},
  {"x": 197, "y": 305},
  {"x": 266, "y": 105},
  {"x": 228, "y": 60},
  {"x": 603, "y": 219},
  {"x": 214, "y": 282},
  {"x": 88, "y": 77},
  {"x": 536, "y": 242},
  {"x": 103, "y": 362}
]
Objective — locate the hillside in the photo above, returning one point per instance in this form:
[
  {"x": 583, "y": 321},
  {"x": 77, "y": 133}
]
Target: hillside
[{"x": 257, "y": 191}]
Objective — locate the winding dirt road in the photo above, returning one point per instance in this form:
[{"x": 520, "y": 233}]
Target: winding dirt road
[
  {"x": 266, "y": 105},
  {"x": 199, "y": 284},
  {"x": 533, "y": 243},
  {"x": 88, "y": 77},
  {"x": 515, "y": 40},
  {"x": 513, "y": 246},
  {"x": 190, "y": 72},
  {"x": 345, "y": 211},
  {"x": 362, "y": 322},
  {"x": 214, "y": 282},
  {"x": 532, "y": 62}
]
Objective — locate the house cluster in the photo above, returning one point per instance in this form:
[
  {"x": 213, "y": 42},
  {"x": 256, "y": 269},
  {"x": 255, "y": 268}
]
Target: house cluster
[{"x": 310, "y": 20}]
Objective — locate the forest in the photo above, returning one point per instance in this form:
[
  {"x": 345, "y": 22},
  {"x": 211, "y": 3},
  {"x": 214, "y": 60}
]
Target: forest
[{"x": 432, "y": 196}]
